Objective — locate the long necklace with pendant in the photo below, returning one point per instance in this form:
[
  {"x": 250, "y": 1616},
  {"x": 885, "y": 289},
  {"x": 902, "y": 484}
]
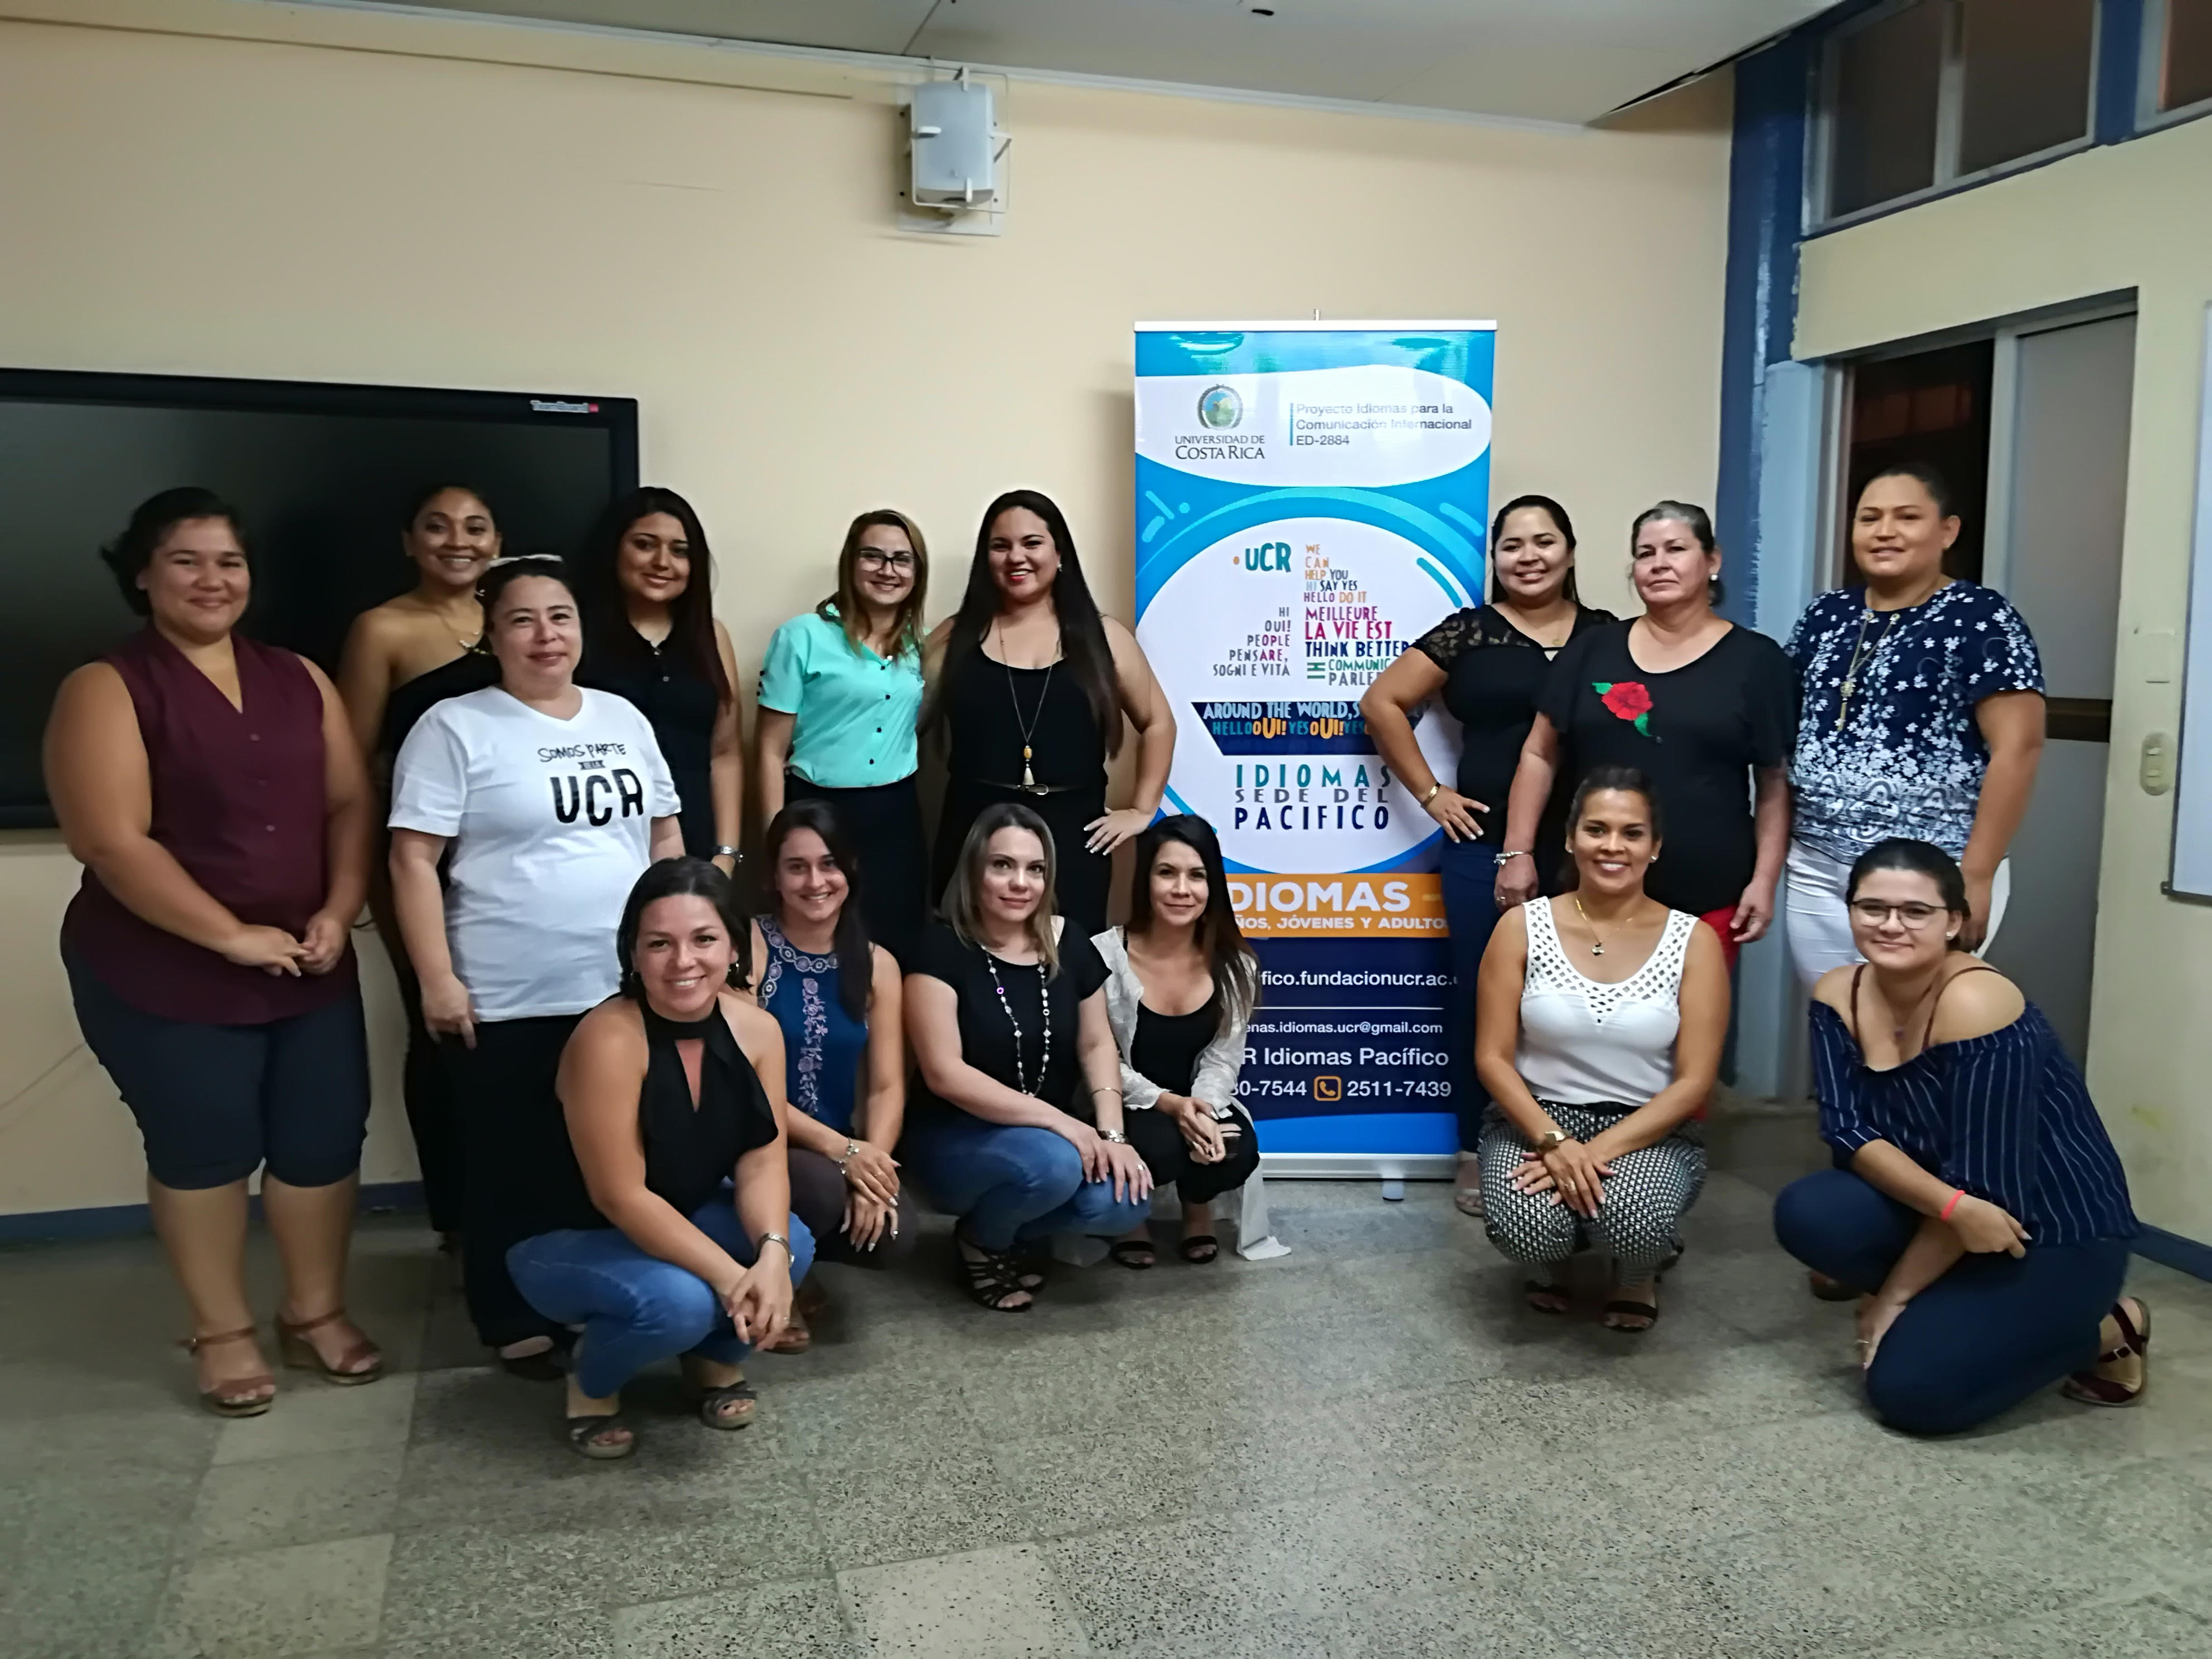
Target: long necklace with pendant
[
  {"x": 1851, "y": 674},
  {"x": 1028, "y": 728},
  {"x": 1044, "y": 1004}
]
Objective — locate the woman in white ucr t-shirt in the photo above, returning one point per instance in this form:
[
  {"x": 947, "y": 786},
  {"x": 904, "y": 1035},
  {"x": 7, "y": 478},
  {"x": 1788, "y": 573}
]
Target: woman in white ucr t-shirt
[
  {"x": 1600, "y": 1016},
  {"x": 552, "y": 800}
]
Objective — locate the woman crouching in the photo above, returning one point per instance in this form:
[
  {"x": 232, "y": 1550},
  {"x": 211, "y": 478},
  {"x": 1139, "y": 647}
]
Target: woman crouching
[{"x": 673, "y": 1093}]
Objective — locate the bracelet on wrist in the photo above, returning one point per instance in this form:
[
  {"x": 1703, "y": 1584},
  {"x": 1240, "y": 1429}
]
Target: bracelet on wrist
[
  {"x": 1114, "y": 1136},
  {"x": 766, "y": 1239},
  {"x": 1518, "y": 852},
  {"x": 1944, "y": 1214},
  {"x": 852, "y": 1151},
  {"x": 1435, "y": 789}
]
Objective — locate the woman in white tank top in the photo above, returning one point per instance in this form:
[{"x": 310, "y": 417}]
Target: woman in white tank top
[{"x": 1599, "y": 1020}]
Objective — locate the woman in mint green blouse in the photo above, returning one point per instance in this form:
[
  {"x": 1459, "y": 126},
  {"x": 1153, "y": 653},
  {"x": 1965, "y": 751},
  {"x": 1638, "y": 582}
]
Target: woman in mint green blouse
[{"x": 840, "y": 693}]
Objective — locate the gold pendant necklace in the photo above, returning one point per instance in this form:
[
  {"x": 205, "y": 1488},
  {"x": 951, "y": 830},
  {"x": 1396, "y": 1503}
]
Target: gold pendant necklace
[
  {"x": 1028, "y": 728},
  {"x": 1597, "y": 946}
]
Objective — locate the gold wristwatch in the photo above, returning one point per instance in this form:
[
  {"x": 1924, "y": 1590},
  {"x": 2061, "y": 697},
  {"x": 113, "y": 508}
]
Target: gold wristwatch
[{"x": 1551, "y": 1139}]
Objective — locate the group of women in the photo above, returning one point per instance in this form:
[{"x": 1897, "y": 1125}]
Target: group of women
[{"x": 645, "y": 1112}]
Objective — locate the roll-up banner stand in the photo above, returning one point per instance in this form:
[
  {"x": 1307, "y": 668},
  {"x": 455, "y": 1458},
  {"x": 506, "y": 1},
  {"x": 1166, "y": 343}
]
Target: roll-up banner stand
[{"x": 1310, "y": 499}]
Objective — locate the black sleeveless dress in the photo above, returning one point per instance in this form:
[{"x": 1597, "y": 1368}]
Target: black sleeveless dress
[
  {"x": 681, "y": 705},
  {"x": 987, "y": 706}
]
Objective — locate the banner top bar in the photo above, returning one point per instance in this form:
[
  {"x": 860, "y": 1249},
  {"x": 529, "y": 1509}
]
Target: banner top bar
[{"x": 1349, "y": 325}]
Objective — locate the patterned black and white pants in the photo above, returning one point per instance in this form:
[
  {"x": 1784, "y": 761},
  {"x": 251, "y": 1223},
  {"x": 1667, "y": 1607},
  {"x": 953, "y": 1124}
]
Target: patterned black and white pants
[{"x": 1638, "y": 1223}]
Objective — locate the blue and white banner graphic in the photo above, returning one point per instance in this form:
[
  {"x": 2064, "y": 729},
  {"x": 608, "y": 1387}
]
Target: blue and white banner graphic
[{"x": 1310, "y": 498}]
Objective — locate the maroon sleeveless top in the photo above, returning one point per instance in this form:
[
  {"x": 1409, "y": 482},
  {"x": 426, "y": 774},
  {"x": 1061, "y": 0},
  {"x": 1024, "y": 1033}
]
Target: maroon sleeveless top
[{"x": 238, "y": 799}]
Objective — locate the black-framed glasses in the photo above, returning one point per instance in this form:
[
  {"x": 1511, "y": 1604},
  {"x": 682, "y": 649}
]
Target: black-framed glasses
[
  {"x": 876, "y": 559},
  {"x": 1915, "y": 916}
]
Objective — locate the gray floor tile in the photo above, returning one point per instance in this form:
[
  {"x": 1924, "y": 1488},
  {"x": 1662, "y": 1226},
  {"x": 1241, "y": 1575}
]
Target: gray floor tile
[
  {"x": 792, "y": 1621},
  {"x": 314, "y": 1416},
  {"x": 906, "y": 1507},
  {"x": 297, "y": 1600},
  {"x": 587, "y": 1634},
  {"x": 306, "y": 1499},
  {"x": 990, "y": 1604},
  {"x": 93, "y": 1600},
  {"x": 2152, "y": 1626}
]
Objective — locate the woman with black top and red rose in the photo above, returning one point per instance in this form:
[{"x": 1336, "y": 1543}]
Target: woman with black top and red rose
[
  {"x": 1488, "y": 664},
  {"x": 1705, "y": 709}
]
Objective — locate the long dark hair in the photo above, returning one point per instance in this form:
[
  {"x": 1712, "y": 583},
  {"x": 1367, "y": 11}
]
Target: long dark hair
[
  {"x": 682, "y": 878},
  {"x": 1560, "y": 522},
  {"x": 856, "y": 960},
  {"x": 1918, "y": 858},
  {"x": 1229, "y": 957},
  {"x": 690, "y": 613},
  {"x": 906, "y": 626},
  {"x": 1082, "y": 630},
  {"x": 129, "y": 554}
]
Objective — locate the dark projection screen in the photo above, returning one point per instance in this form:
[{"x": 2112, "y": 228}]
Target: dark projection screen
[{"x": 322, "y": 475}]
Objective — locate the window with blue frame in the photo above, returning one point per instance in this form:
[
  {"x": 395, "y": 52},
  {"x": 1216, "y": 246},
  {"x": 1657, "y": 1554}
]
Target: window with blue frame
[{"x": 1921, "y": 95}]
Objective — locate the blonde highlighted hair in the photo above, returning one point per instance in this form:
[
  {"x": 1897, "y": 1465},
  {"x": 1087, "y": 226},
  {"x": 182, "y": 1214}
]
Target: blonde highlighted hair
[
  {"x": 843, "y": 607},
  {"x": 963, "y": 894}
]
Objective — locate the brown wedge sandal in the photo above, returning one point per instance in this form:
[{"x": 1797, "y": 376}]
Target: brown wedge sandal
[
  {"x": 242, "y": 1397},
  {"x": 2098, "y": 1386},
  {"x": 302, "y": 1355}
]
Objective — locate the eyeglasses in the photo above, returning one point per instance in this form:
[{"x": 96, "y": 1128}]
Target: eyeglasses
[
  {"x": 876, "y": 560},
  {"x": 1874, "y": 913}
]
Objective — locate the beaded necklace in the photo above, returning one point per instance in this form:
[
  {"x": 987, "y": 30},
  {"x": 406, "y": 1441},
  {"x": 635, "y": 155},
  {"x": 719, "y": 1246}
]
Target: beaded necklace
[{"x": 1044, "y": 1005}]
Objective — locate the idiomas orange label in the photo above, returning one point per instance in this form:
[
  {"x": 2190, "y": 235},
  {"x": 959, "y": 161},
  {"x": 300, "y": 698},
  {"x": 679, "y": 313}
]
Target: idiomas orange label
[{"x": 1291, "y": 906}]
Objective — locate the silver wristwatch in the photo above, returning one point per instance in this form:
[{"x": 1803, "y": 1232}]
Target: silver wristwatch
[{"x": 776, "y": 1238}]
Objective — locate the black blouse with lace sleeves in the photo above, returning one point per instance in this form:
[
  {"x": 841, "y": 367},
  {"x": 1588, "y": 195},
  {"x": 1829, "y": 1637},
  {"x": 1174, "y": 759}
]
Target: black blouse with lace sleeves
[{"x": 1492, "y": 673}]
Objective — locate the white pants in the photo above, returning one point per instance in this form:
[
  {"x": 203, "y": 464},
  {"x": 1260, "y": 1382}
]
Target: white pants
[{"x": 1820, "y": 923}]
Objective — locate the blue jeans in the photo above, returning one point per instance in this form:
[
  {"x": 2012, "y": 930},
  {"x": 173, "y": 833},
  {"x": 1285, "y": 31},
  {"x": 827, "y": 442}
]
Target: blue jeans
[
  {"x": 1470, "y": 885},
  {"x": 1992, "y": 1331},
  {"x": 1008, "y": 1183},
  {"x": 636, "y": 1308}
]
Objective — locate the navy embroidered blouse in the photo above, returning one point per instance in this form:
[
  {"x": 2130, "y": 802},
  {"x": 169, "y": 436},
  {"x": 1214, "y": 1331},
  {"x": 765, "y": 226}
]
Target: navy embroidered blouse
[
  {"x": 1909, "y": 759},
  {"x": 2006, "y": 1115},
  {"x": 823, "y": 1047}
]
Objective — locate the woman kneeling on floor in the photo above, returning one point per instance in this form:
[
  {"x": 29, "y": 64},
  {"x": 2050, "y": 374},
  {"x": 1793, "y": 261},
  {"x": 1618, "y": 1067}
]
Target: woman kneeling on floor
[
  {"x": 672, "y": 1089},
  {"x": 1019, "y": 1133},
  {"x": 1182, "y": 987},
  {"x": 1976, "y": 1200},
  {"x": 1599, "y": 1022}
]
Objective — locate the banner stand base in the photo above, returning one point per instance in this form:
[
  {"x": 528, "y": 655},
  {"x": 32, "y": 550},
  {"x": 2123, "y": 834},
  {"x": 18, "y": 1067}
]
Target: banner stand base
[{"x": 1359, "y": 1166}]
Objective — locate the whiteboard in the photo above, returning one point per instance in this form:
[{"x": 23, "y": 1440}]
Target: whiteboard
[{"x": 2191, "y": 873}]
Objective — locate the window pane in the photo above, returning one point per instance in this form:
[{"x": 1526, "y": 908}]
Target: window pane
[
  {"x": 2188, "y": 77},
  {"x": 1887, "y": 75},
  {"x": 2027, "y": 77}
]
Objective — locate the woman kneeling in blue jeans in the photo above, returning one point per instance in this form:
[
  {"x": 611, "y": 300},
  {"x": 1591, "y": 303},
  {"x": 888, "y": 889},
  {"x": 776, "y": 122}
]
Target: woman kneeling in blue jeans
[
  {"x": 673, "y": 1095},
  {"x": 1020, "y": 1131}
]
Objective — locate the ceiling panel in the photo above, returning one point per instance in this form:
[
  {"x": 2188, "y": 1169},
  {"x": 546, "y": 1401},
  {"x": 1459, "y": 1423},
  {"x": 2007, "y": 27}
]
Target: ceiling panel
[{"x": 1561, "y": 60}]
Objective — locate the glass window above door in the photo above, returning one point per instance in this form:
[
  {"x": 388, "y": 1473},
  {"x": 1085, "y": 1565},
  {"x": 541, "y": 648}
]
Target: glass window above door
[{"x": 2180, "y": 49}]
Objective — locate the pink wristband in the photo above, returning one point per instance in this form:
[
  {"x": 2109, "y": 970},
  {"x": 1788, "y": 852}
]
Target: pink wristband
[{"x": 1944, "y": 1214}]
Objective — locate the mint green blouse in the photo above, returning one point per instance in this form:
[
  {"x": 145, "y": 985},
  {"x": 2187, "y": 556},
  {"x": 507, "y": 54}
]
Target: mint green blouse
[{"x": 854, "y": 712}]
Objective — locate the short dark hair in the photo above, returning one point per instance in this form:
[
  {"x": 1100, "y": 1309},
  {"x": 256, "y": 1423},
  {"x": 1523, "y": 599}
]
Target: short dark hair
[
  {"x": 856, "y": 961},
  {"x": 1918, "y": 858},
  {"x": 129, "y": 554},
  {"x": 1229, "y": 957},
  {"x": 1629, "y": 780},
  {"x": 1558, "y": 514},
  {"x": 1929, "y": 477},
  {"x": 1695, "y": 518},
  {"x": 683, "y": 878}
]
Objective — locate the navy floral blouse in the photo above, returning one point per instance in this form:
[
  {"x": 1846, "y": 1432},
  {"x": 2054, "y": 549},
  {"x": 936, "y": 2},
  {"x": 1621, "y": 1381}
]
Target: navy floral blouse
[{"x": 1905, "y": 757}]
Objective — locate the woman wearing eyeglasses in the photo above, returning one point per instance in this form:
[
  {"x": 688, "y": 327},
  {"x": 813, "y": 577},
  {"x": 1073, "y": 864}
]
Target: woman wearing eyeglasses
[
  {"x": 1976, "y": 1205},
  {"x": 839, "y": 696}
]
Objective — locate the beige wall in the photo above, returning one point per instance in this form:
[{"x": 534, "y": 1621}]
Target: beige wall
[
  {"x": 359, "y": 205},
  {"x": 2135, "y": 215}
]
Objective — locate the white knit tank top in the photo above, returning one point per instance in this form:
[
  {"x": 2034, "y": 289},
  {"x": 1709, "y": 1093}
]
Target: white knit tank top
[{"x": 1582, "y": 1042}]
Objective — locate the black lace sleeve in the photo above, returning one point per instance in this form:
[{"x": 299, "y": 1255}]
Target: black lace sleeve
[{"x": 1450, "y": 639}]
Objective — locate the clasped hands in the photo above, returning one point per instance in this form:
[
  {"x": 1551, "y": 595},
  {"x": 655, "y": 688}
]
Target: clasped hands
[
  {"x": 1570, "y": 1172},
  {"x": 872, "y": 1196}
]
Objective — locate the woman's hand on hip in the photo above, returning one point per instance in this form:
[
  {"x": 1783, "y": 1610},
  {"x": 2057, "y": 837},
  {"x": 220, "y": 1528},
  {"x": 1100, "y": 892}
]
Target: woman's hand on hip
[
  {"x": 1120, "y": 1163},
  {"x": 1753, "y": 912},
  {"x": 1985, "y": 1229},
  {"x": 272, "y": 949},
  {"x": 1110, "y": 832},
  {"x": 323, "y": 946},
  {"x": 446, "y": 1010},
  {"x": 1456, "y": 813},
  {"x": 1516, "y": 881},
  {"x": 872, "y": 1173}
]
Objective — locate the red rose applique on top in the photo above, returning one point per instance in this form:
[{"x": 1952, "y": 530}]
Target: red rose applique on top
[{"x": 1629, "y": 699}]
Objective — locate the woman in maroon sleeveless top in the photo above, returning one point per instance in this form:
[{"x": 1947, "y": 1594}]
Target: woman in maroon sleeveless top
[{"x": 211, "y": 787}]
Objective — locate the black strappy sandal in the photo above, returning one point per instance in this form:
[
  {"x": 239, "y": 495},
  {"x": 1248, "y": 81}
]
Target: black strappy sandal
[
  {"x": 991, "y": 1280},
  {"x": 1134, "y": 1254},
  {"x": 2089, "y": 1388},
  {"x": 1200, "y": 1248},
  {"x": 1621, "y": 1307},
  {"x": 730, "y": 1406},
  {"x": 584, "y": 1437},
  {"x": 1534, "y": 1288}
]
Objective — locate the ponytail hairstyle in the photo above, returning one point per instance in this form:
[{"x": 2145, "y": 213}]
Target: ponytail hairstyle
[
  {"x": 1560, "y": 522},
  {"x": 1627, "y": 780},
  {"x": 1228, "y": 957},
  {"x": 856, "y": 962},
  {"x": 1929, "y": 477},
  {"x": 1082, "y": 643},
  {"x": 130, "y": 555}
]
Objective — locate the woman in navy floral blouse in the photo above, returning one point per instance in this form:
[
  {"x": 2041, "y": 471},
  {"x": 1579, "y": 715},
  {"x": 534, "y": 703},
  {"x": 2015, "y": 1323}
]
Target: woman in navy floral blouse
[{"x": 1920, "y": 715}]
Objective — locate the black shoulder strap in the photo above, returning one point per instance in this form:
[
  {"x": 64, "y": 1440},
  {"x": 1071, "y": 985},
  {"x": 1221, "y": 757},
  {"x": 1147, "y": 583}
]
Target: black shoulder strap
[
  {"x": 1936, "y": 1001},
  {"x": 1851, "y": 1019}
]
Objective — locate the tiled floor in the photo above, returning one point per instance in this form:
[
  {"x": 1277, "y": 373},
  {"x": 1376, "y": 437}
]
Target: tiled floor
[{"x": 1365, "y": 1450}]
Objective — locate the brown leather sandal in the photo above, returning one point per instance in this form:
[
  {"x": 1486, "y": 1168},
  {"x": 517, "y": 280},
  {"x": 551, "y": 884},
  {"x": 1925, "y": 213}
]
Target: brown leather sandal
[
  {"x": 302, "y": 1355},
  {"x": 241, "y": 1396},
  {"x": 2095, "y": 1386}
]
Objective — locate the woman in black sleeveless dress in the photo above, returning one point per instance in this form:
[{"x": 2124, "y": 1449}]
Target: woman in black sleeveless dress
[
  {"x": 673, "y": 1091},
  {"x": 1032, "y": 685},
  {"x": 645, "y": 580}
]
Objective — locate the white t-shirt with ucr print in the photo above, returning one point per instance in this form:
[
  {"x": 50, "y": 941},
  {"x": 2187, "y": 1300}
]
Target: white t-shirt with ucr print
[{"x": 552, "y": 825}]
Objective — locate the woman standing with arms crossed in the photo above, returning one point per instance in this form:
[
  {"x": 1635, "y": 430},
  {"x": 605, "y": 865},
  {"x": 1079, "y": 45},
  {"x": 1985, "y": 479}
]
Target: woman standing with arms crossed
[
  {"x": 1705, "y": 709},
  {"x": 840, "y": 693},
  {"x": 211, "y": 786},
  {"x": 1021, "y": 1132},
  {"x": 552, "y": 800},
  {"x": 401, "y": 657},
  {"x": 1032, "y": 685},
  {"x": 1922, "y": 717},
  {"x": 1488, "y": 664},
  {"x": 647, "y": 582},
  {"x": 837, "y": 996}
]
